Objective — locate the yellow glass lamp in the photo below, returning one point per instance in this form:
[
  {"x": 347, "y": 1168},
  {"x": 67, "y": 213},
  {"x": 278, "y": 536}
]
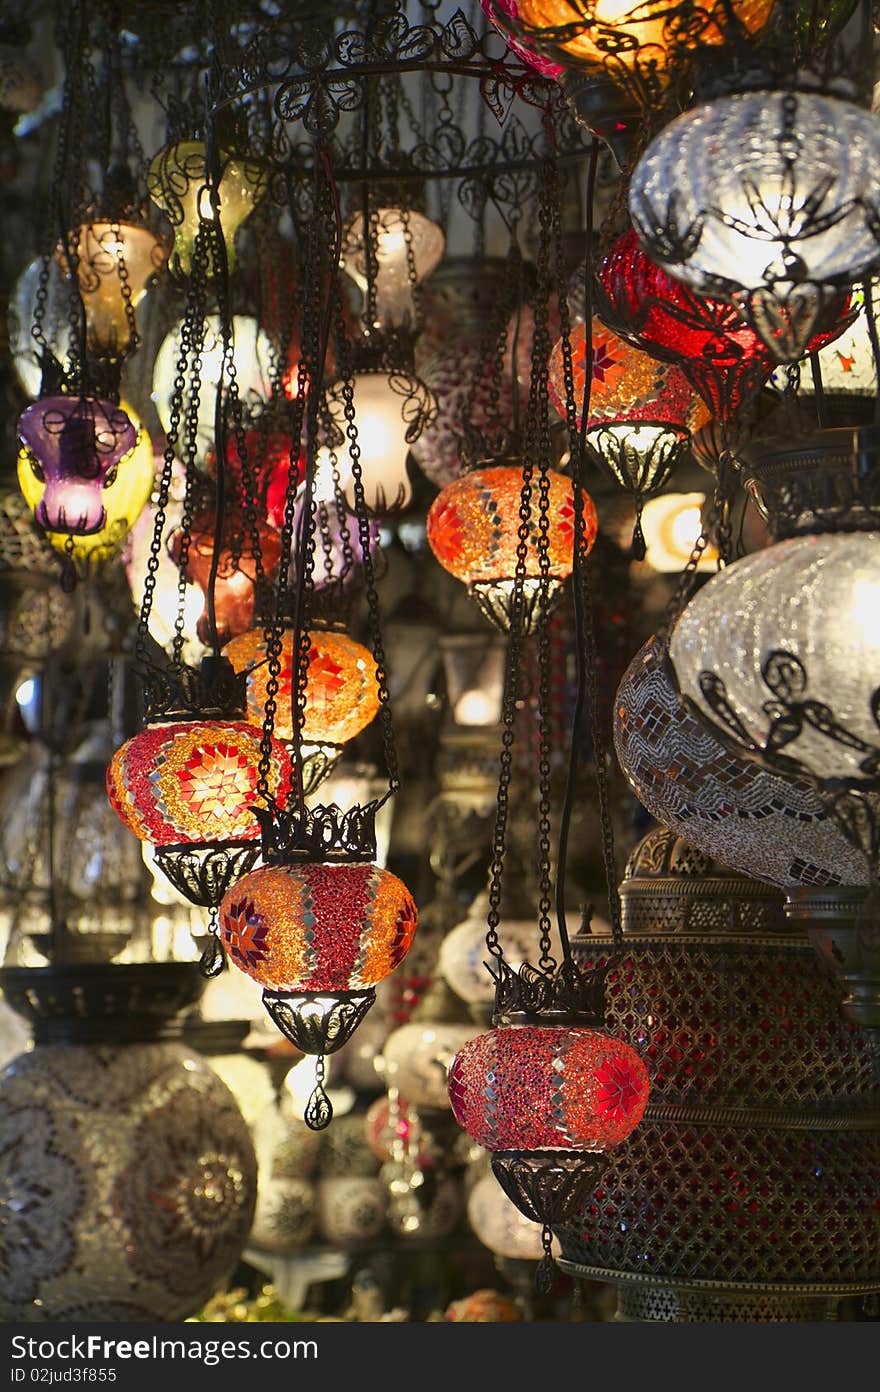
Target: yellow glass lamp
[
  {"x": 123, "y": 500},
  {"x": 177, "y": 182},
  {"x": 109, "y": 256}
]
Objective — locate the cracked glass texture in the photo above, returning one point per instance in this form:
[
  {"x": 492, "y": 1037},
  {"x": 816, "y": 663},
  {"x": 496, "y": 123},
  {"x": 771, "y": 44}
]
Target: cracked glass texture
[
  {"x": 814, "y": 597},
  {"x": 733, "y": 188}
]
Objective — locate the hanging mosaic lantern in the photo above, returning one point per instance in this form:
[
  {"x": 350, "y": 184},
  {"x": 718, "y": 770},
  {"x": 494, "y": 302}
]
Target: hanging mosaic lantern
[
  {"x": 123, "y": 499},
  {"x": 766, "y": 824},
  {"x": 318, "y": 925},
  {"x": 75, "y": 446},
  {"x": 641, "y": 412},
  {"x": 115, "y": 263},
  {"x": 190, "y": 783},
  {"x": 766, "y": 200},
  {"x": 547, "y": 1102},
  {"x": 722, "y": 356},
  {"x": 342, "y": 693},
  {"x": 177, "y": 182},
  {"x": 473, "y": 529}
]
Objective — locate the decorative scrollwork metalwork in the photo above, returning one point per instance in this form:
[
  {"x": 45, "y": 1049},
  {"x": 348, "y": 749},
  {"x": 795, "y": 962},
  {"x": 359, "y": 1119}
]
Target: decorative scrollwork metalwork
[
  {"x": 561, "y": 996},
  {"x": 203, "y": 873},
  {"x": 212, "y": 691},
  {"x": 325, "y": 833},
  {"x": 548, "y": 1186},
  {"x": 317, "y": 1022}
]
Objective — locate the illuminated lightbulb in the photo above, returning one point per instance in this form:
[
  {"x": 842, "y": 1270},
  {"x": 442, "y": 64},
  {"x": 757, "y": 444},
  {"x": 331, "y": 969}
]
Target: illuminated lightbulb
[{"x": 671, "y": 524}]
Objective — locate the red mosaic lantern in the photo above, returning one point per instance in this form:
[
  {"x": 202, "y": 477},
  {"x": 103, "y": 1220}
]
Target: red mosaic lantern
[
  {"x": 547, "y": 1101},
  {"x": 318, "y": 927},
  {"x": 192, "y": 782},
  {"x": 533, "y": 1088},
  {"x": 723, "y": 359},
  {"x": 473, "y": 529},
  {"x": 641, "y": 411},
  {"x": 318, "y": 936}
]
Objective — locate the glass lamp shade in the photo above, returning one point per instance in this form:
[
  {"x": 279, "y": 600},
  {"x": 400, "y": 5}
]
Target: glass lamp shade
[
  {"x": 110, "y": 255},
  {"x": 642, "y": 411},
  {"x": 530, "y": 1087},
  {"x": 612, "y": 33},
  {"x": 269, "y": 470},
  {"x": 769, "y": 825},
  {"x": 23, "y": 347},
  {"x": 253, "y": 354},
  {"x": 123, "y": 500},
  {"x": 381, "y": 438},
  {"x": 781, "y": 651},
  {"x": 720, "y": 354},
  {"x": 418, "y": 1057},
  {"x": 177, "y": 183},
  {"x": 671, "y": 525},
  {"x": 404, "y": 239},
  {"x": 235, "y": 581},
  {"x": 497, "y": 11},
  {"x": 342, "y": 690},
  {"x": 75, "y": 447},
  {"x": 316, "y": 927},
  {"x": 765, "y": 199},
  {"x": 473, "y": 527},
  {"x": 193, "y": 783}
]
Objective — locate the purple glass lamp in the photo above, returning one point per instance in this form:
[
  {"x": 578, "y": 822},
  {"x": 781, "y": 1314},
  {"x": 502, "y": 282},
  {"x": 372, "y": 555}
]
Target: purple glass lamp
[{"x": 75, "y": 444}]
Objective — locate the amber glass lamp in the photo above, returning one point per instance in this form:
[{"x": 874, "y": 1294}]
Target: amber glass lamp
[
  {"x": 115, "y": 263},
  {"x": 342, "y": 693}
]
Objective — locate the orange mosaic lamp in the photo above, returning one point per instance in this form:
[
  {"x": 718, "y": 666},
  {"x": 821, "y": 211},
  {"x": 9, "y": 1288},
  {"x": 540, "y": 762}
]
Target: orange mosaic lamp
[
  {"x": 190, "y": 784},
  {"x": 642, "y": 412},
  {"x": 342, "y": 693},
  {"x": 473, "y": 529},
  {"x": 318, "y": 926}
]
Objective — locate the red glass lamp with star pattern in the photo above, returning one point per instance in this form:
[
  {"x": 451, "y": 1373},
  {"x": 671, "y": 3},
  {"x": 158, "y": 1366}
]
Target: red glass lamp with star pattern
[{"x": 191, "y": 780}]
